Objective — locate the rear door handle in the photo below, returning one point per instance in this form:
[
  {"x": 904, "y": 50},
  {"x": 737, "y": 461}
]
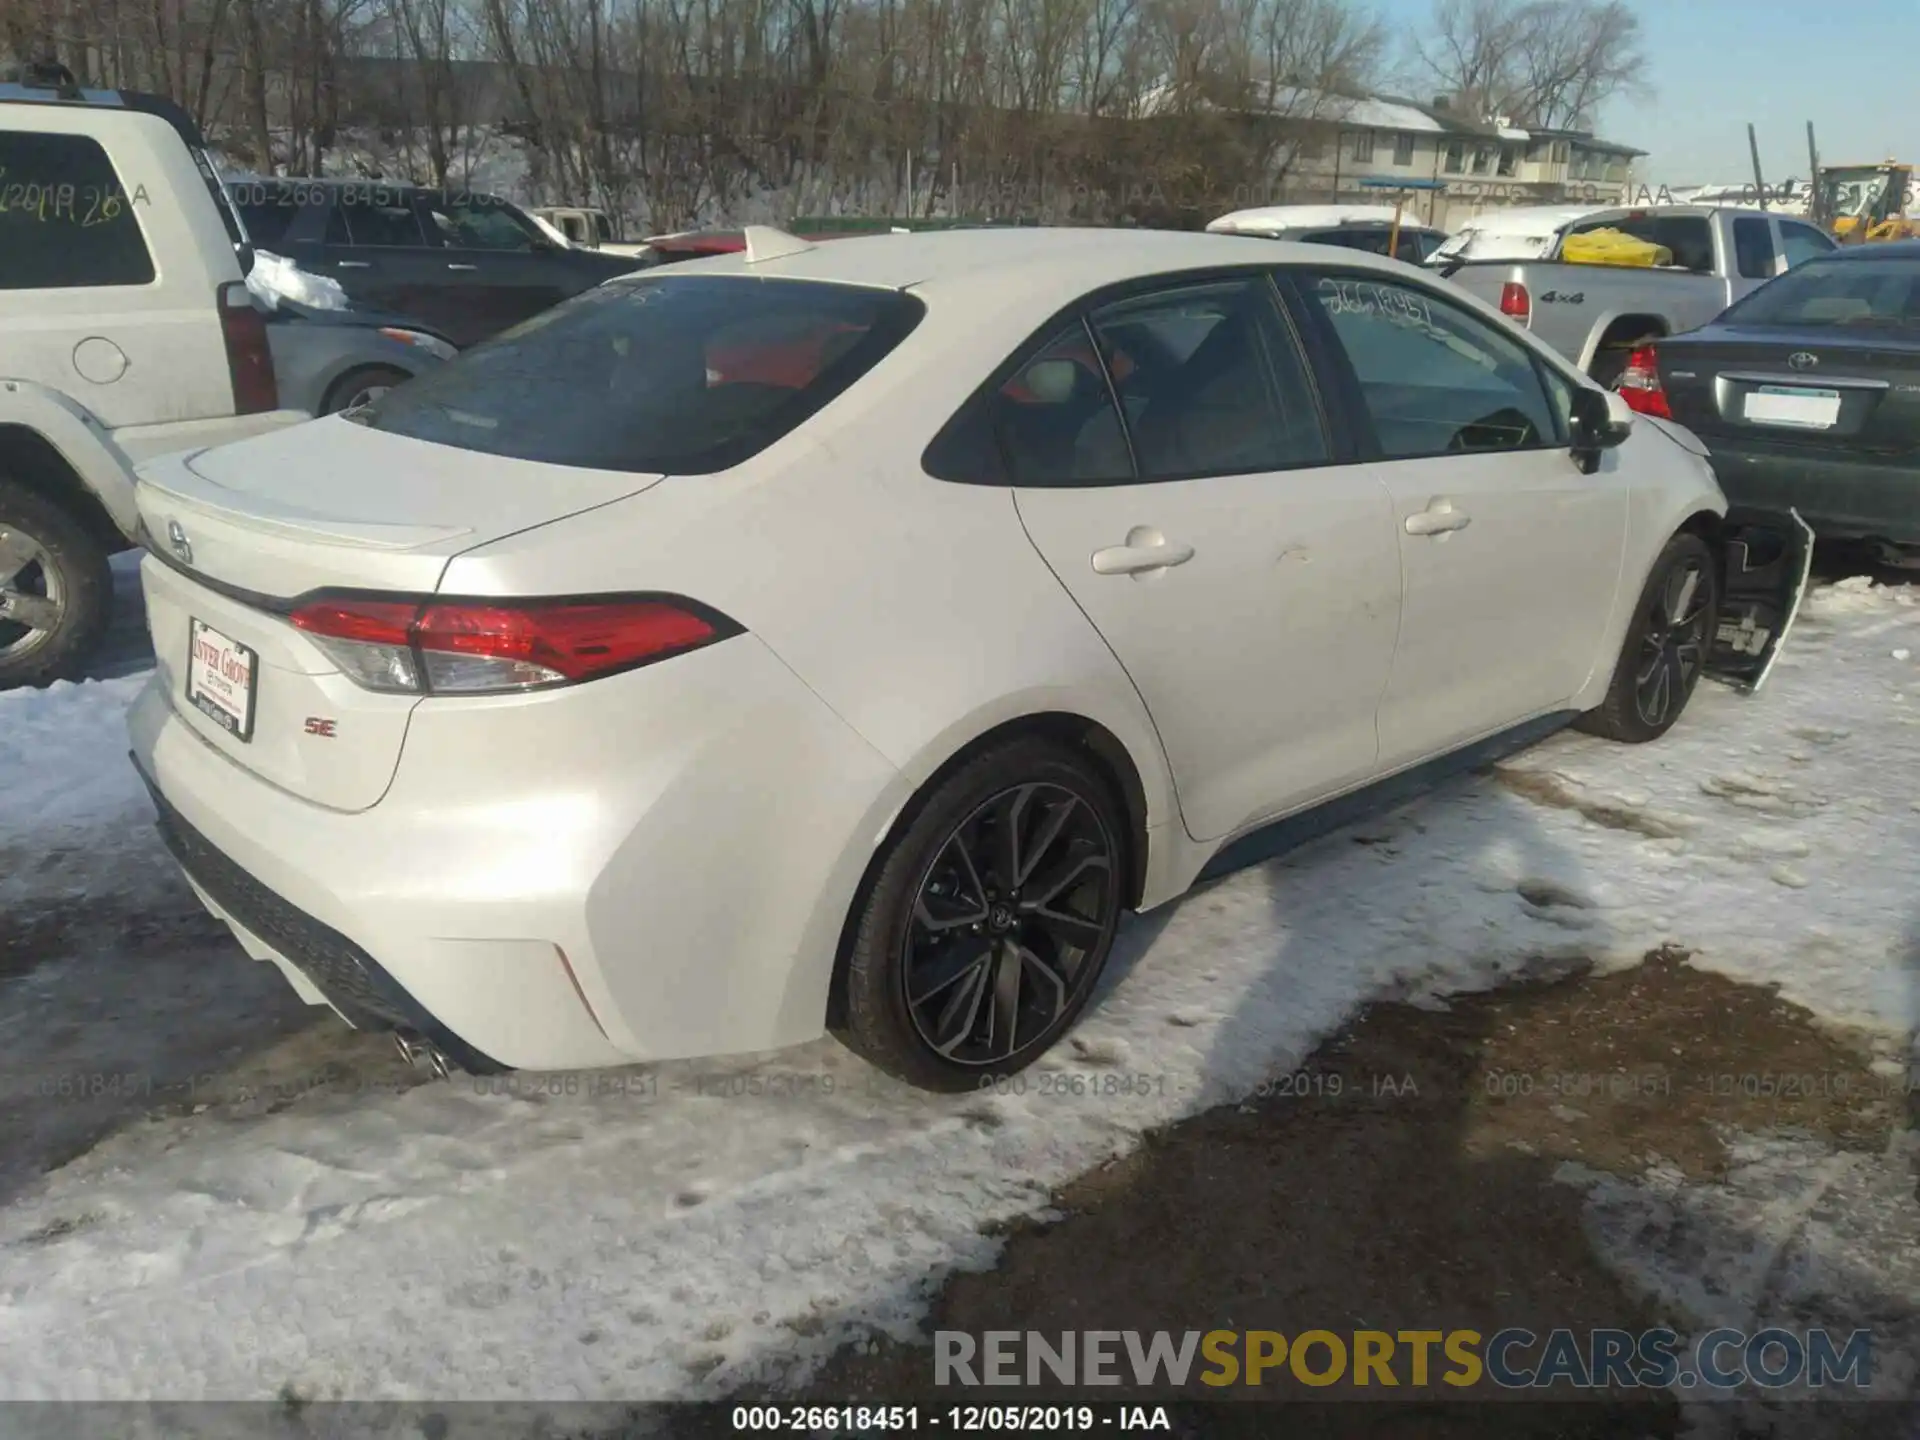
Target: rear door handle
[
  {"x": 353, "y": 265},
  {"x": 463, "y": 267},
  {"x": 1439, "y": 518},
  {"x": 1145, "y": 552}
]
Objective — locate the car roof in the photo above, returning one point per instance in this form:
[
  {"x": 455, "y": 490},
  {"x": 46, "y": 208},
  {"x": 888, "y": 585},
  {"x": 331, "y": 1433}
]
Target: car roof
[
  {"x": 1048, "y": 262},
  {"x": 1875, "y": 250},
  {"x": 1292, "y": 217}
]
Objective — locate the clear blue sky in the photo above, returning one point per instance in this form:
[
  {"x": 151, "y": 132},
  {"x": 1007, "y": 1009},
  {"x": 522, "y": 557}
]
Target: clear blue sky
[{"x": 1846, "y": 65}]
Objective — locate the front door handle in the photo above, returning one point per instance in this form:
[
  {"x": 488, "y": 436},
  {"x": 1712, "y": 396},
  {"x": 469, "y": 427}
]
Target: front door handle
[
  {"x": 1146, "y": 552},
  {"x": 1439, "y": 518},
  {"x": 463, "y": 267}
]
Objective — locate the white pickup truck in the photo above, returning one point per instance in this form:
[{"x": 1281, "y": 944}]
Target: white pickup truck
[
  {"x": 130, "y": 333},
  {"x": 1596, "y": 315}
]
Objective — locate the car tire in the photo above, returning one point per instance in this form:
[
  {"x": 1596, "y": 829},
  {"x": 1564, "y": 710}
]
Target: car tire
[
  {"x": 355, "y": 383},
  {"x": 1668, "y": 642},
  {"x": 968, "y": 959},
  {"x": 69, "y": 567}
]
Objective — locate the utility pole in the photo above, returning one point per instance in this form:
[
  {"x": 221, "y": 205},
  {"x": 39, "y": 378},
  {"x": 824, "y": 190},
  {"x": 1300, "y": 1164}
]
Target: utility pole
[
  {"x": 1753, "y": 148},
  {"x": 1817, "y": 199}
]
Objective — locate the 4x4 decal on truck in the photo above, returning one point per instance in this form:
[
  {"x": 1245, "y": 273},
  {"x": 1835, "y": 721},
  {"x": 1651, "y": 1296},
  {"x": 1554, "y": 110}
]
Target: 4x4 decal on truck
[{"x": 1559, "y": 297}]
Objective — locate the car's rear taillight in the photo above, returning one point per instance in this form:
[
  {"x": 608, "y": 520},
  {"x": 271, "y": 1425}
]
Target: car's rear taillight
[
  {"x": 249, "y": 358},
  {"x": 477, "y": 647},
  {"x": 1515, "y": 303},
  {"x": 1639, "y": 384}
]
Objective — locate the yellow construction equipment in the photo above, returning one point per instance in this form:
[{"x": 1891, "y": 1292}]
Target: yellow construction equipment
[{"x": 1868, "y": 202}]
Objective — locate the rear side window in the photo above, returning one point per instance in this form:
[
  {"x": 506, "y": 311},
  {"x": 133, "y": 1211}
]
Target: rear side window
[
  {"x": 684, "y": 375},
  {"x": 1210, "y": 382},
  {"x": 1753, "y": 247},
  {"x": 1848, "y": 293},
  {"x": 66, "y": 222},
  {"x": 1689, "y": 237},
  {"x": 376, "y": 218},
  {"x": 1207, "y": 379}
]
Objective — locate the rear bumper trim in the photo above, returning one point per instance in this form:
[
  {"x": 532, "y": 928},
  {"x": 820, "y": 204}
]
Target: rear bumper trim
[{"x": 352, "y": 981}]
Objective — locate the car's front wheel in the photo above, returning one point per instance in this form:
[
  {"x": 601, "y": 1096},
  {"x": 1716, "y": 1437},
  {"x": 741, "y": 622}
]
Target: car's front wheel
[
  {"x": 1666, "y": 648},
  {"x": 984, "y": 929}
]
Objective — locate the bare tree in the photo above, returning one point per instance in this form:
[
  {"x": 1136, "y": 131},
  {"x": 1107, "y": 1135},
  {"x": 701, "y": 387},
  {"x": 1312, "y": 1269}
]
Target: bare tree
[{"x": 1550, "y": 64}]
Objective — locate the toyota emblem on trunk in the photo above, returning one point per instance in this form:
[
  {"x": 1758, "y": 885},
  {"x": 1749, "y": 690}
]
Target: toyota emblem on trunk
[
  {"x": 182, "y": 547},
  {"x": 1803, "y": 360}
]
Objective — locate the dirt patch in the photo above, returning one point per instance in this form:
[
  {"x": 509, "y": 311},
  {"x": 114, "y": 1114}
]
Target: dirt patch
[
  {"x": 1659, "y": 1062},
  {"x": 1404, "y": 1179},
  {"x": 1545, "y": 789}
]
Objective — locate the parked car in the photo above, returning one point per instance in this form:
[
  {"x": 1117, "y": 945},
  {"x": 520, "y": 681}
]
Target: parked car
[
  {"x": 1521, "y": 232},
  {"x": 581, "y": 703},
  {"x": 129, "y": 332},
  {"x": 1807, "y": 394},
  {"x": 587, "y": 229},
  {"x": 1597, "y": 315},
  {"x": 332, "y": 360},
  {"x": 1366, "y": 227},
  {"x": 464, "y": 264},
  {"x": 704, "y": 244}
]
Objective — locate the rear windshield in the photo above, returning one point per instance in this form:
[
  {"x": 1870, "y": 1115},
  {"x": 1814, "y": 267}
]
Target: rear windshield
[
  {"x": 681, "y": 374},
  {"x": 1838, "y": 293},
  {"x": 1689, "y": 237}
]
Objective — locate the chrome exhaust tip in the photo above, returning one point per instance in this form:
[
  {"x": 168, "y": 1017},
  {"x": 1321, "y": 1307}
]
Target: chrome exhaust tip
[{"x": 417, "y": 1050}]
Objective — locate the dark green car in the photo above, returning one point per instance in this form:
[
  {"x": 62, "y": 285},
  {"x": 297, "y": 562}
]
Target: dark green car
[{"x": 1807, "y": 393}]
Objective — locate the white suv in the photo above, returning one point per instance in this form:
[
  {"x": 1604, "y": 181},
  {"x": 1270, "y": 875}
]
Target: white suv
[{"x": 129, "y": 332}]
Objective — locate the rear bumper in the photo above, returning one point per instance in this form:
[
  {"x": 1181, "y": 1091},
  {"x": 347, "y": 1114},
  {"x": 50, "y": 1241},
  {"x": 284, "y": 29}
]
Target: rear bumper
[
  {"x": 654, "y": 866},
  {"x": 1841, "y": 498},
  {"x": 347, "y": 977}
]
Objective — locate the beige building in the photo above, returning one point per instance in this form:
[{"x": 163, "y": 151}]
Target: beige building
[{"x": 1459, "y": 166}]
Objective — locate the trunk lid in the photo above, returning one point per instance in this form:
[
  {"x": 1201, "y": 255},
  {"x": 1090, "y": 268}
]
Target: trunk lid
[
  {"x": 1792, "y": 389},
  {"x": 237, "y": 533}
]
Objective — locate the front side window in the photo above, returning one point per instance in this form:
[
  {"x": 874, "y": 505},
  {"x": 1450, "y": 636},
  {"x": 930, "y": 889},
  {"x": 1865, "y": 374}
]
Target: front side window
[
  {"x": 681, "y": 375},
  {"x": 1801, "y": 243},
  {"x": 66, "y": 222},
  {"x": 478, "y": 222},
  {"x": 1434, "y": 379},
  {"x": 1753, "y": 247}
]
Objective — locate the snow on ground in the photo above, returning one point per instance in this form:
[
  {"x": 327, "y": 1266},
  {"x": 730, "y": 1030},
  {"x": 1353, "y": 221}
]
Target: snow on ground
[{"x": 682, "y": 1229}]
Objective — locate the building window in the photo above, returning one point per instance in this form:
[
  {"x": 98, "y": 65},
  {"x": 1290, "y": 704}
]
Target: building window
[
  {"x": 1537, "y": 152},
  {"x": 1482, "y": 159},
  {"x": 1560, "y": 152},
  {"x": 1507, "y": 165},
  {"x": 1363, "y": 147},
  {"x": 1403, "y": 149},
  {"x": 1456, "y": 162}
]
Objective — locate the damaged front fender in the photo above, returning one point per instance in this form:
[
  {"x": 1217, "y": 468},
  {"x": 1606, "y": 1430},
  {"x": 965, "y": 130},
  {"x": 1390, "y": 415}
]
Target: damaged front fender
[{"x": 1765, "y": 558}]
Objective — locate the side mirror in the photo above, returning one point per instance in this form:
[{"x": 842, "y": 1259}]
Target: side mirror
[{"x": 1596, "y": 425}]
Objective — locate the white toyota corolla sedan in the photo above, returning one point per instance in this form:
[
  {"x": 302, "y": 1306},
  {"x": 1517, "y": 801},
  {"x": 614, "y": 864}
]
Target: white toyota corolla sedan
[{"x": 842, "y": 637}]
